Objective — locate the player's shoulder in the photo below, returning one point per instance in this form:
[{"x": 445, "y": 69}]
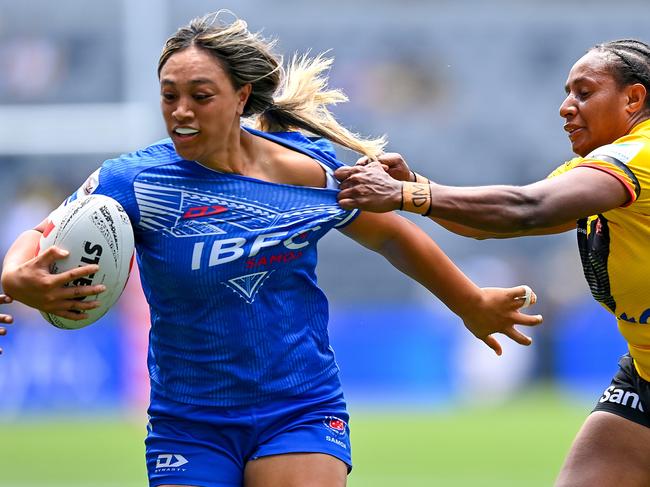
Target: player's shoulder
[
  {"x": 320, "y": 147},
  {"x": 634, "y": 146},
  {"x": 158, "y": 153},
  {"x": 566, "y": 166}
]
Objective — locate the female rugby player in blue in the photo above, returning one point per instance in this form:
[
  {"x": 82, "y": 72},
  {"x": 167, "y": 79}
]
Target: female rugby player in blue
[{"x": 245, "y": 388}]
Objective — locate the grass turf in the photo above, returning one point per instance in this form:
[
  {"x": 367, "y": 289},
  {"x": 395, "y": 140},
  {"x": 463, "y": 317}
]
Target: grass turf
[{"x": 519, "y": 443}]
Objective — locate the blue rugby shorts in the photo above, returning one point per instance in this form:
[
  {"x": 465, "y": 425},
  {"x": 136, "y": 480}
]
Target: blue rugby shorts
[{"x": 210, "y": 446}]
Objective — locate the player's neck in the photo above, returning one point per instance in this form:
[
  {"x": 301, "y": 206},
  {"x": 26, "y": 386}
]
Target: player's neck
[{"x": 238, "y": 154}]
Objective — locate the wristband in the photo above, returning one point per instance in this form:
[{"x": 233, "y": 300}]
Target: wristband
[
  {"x": 419, "y": 178},
  {"x": 416, "y": 198}
]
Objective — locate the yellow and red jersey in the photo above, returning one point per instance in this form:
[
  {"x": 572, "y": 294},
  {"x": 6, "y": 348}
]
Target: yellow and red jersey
[{"x": 615, "y": 245}]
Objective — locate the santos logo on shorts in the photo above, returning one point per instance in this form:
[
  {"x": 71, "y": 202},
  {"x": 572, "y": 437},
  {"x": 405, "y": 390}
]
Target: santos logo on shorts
[
  {"x": 170, "y": 462},
  {"x": 619, "y": 396}
]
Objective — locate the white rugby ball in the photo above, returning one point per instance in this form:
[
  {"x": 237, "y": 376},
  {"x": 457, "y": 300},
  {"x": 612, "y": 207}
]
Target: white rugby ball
[{"x": 95, "y": 229}]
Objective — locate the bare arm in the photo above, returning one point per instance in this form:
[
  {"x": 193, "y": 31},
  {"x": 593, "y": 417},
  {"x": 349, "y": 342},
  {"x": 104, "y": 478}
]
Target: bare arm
[
  {"x": 409, "y": 249},
  {"x": 27, "y": 278},
  {"x": 477, "y": 234},
  {"x": 549, "y": 203},
  {"x": 498, "y": 210}
]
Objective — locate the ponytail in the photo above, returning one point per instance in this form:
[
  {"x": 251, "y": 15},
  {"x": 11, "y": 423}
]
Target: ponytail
[{"x": 302, "y": 102}]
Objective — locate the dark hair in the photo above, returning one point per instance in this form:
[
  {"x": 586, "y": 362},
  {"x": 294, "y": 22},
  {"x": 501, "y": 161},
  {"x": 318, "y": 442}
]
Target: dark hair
[
  {"x": 630, "y": 62},
  {"x": 244, "y": 56},
  {"x": 278, "y": 100}
]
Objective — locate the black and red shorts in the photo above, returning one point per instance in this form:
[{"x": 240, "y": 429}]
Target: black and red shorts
[{"x": 628, "y": 395}]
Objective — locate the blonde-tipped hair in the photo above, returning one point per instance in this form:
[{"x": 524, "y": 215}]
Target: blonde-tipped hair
[
  {"x": 279, "y": 100},
  {"x": 302, "y": 102}
]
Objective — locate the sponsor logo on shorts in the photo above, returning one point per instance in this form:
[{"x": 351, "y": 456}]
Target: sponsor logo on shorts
[
  {"x": 624, "y": 398},
  {"x": 336, "y": 442},
  {"x": 170, "y": 462},
  {"x": 335, "y": 425}
]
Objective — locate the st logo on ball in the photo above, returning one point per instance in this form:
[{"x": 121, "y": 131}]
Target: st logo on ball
[{"x": 95, "y": 230}]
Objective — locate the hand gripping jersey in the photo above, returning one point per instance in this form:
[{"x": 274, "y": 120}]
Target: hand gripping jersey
[
  {"x": 615, "y": 246},
  {"x": 228, "y": 269}
]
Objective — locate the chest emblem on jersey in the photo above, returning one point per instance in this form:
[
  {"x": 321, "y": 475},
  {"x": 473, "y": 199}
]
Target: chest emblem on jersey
[
  {"x": 246, "y": 287},
  {"x": 203, "y": 211}
]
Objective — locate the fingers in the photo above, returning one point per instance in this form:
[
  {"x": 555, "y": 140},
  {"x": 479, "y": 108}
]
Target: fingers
[
  {"x": 342, "y": 173},
  {"x": 524, "y": 296},
  {"x": 73, "y": 274},
  {"x": 74, "y": 309},
  {"x": 345, "y": 172},
  {"x": 5, "y": 318},
  {"x": 492, "y": 342},
  {"x": 362, "y": 161},
  {"x": 528, "y": 320},
  {"x": 346, "y": 204},
  {"x": 52, "y": 254},
  {"x": 516, "y": 336},
  {"x": 80, "y": 292},
  {"x": 71, "y": 315}
]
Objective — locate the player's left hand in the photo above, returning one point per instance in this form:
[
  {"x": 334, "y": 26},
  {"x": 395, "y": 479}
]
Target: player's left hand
[
  {"x": 4, "y": 318},
  {"x": 498, "y": 312},
  {"x": 368, "y": 187}
]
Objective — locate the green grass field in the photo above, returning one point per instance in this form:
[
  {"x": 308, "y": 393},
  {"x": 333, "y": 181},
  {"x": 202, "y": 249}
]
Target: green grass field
[{"x": 518, "y": 444}]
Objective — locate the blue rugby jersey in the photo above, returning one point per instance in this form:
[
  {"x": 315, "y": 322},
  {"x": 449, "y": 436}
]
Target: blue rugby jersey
[{"x": 227, "y": 265}]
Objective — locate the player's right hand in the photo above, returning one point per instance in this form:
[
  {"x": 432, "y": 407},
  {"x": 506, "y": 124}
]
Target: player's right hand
[
  {"x": 393, "y": 163},
  {"x": 498, "y": 311},
  {"x": 33, "y": 284}
]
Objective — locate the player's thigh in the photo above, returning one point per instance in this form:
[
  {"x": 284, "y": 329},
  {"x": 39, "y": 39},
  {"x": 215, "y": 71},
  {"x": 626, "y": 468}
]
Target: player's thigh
[
  {"x": 609, "y": 451},
  {"x": 296, "y": 470}
]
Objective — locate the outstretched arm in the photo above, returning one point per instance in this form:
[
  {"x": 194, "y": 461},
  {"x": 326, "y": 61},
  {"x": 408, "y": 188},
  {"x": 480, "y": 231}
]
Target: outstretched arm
[
  {"x": 477, "y": 234},
  {"x": 546, "y": 206},
  {"x": 484, "y": 311}
]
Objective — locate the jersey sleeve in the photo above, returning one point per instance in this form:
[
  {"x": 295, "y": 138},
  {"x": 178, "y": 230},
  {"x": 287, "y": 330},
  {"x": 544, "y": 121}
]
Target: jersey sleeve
[
  {"x": 326, "y": 147},
  {"x": 625, "y": 161},
  {"x": 628, "y": 162},
  {"x": 113, "y": 179},
  {"x": 567, "y": 166}
]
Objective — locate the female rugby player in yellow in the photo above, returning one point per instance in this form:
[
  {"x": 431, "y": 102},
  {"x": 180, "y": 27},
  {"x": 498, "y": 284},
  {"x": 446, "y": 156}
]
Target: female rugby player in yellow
[{"x": 607, "y": 191}]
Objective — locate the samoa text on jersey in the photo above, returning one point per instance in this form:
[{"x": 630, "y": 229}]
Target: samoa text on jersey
[{"x": 227, "y": 265}]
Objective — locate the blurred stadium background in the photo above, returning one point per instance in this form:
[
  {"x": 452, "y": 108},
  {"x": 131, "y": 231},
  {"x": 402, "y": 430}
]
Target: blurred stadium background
[{"x": 468, "y": 91}]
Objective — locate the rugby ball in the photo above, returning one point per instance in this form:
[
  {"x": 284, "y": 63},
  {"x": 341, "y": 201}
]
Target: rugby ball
[{"x": 95, "y": 229}]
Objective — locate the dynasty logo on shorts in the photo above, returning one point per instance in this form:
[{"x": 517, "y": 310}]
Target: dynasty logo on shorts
[
  {"x": 622, "y": 397},
  {"x": 170, "y": 462}
]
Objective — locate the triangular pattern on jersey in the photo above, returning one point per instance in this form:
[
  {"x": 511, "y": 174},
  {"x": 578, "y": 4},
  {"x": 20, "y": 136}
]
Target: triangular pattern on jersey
[{"x": 247, "y": 286}]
